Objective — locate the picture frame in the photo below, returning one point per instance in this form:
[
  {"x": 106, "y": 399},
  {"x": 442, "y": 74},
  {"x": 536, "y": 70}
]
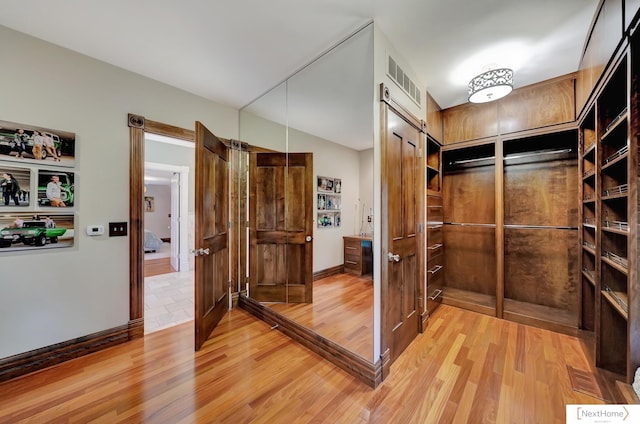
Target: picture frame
[
  {"x": 36, "y": 231},
  {"x": 47, "y": 195},
  {"x": 149, "y": 204},
  {"x": 15, "y": 187},
  {"x": 30, "y": 144}
]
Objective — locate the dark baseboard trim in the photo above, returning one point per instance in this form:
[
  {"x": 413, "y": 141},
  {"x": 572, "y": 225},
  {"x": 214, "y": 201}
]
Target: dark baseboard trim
[
  {"x": 339, "y": 269},
  {"x": 38, "y": 359},
  {"x": 166, "y": 239},
  {"x": 365, "y": 371},
  {"x": 385, "y": 359},
  {"x": 424, "y": 320}
]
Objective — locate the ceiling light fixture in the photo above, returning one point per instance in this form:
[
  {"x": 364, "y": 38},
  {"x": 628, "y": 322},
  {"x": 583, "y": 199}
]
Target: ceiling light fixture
[{"x": 491, "y": 85}]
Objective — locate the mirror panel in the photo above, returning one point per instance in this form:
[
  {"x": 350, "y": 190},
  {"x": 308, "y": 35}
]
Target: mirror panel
[{"x": 329, "y": 117}]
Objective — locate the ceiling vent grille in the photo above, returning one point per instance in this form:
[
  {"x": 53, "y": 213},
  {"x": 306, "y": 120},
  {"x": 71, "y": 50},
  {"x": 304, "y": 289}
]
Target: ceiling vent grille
[{"x": 397, "y": 74}]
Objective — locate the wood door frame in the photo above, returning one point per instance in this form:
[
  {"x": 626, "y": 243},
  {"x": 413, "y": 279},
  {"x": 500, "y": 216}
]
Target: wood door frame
[
  {"x": 388, "y": 102},
  {"x": 138, "y": 126}
]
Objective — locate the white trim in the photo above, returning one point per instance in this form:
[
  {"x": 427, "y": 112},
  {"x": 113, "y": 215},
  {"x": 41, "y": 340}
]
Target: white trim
[{"x": 183, "y": 207}]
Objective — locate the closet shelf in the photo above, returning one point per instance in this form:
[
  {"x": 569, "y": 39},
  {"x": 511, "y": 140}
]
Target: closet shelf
[
  {"x": 617, "y": 262},
  {"x": 618, "y": 120},
  {"x": 617, "y": 227},
  {"x": 619, "y": 300},
  {"x": 589, "y": 150},
  {"x": 616, "y": 191},
  {"x": 590, "y": 276},
  {"x": 618, "y": 156},
  {"x": 530, "y": 313},
  {"x": 588, "y": 174}
]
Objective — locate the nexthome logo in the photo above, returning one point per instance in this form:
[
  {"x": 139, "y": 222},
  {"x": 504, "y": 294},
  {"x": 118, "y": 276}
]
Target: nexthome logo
[{"x": 603, "y": 414}]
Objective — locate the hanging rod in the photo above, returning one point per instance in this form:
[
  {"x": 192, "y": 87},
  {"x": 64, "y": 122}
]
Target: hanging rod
[
  {"x": 460, "y": 162},
  {"x": 514, "y": 156},
  {"x": 542, "y": 227},
  {"x": 469, "y": 224},
  {"x": 538, "y": 153}
]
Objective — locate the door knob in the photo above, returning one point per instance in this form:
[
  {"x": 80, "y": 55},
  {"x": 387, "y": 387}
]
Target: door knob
[
  {"x": 200, "y": 252},
  {"x": 307, "y": 238},
  {"x": 393, "y": 258}
]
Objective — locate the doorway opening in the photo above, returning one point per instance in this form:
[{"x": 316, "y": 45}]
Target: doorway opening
[{"x": 168, "y": 233}]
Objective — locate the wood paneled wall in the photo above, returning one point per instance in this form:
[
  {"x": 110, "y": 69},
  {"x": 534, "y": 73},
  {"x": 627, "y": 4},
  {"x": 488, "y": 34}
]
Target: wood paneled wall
[
  {"x": 434, "y": 119},
  {"x": 550, "y": 102},
  {"x": 606, "y": 33}
]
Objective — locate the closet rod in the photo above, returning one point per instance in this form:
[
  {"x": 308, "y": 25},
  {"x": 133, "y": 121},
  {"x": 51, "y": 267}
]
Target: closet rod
[
  {"x": 543, "y": 227},
  {"x": 516, "y": 156},
  {"x": 458, "y": 162},
  {"x": 469, "y": 224},
  {"x": 541, "y": 152}
]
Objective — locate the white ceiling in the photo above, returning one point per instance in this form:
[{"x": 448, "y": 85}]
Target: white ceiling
[{"x": 232, "y": 51}]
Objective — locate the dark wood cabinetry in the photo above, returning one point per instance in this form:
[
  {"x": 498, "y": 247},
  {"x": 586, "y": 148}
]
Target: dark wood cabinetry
[
  {"x": 510, "y": 227},
  {"x": 434, "y": 214},
  {"x": 609, "y": 150},
  {"x": 358, "y": 255}
]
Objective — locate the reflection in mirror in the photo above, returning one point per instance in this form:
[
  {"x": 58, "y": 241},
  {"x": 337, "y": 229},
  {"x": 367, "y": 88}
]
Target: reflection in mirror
[{"x": 328, "y": 124}]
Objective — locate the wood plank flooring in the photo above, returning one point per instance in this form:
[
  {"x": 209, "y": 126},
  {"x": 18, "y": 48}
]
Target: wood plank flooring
[
  {"x": 342, "y": 311},
  {"x": 157, "y": 267},
  {"x": 465, "y": 368}
]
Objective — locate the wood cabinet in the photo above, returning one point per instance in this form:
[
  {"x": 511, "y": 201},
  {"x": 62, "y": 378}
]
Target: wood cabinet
[
  {"x": 434, "y": 214},
  {"x": 510, "y": 228},
  {"x": 609, "y": 150},
  {"x": 358, "y": 255},
  {"x": 468, "y": 190}
]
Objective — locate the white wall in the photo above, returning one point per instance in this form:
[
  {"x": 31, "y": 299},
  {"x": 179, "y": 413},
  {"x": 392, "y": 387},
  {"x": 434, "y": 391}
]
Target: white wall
[
  {"x": 50, "y": 297},
  {"x": 159, "y": 220},
  {"x": 365, "y": 159},
  {"x": 334, "y": 161}
]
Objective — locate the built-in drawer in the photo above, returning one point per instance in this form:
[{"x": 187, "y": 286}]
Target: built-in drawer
[
  {"x": 434, "y": 235},
  {"x": 435, "y": 269},
  {"x": 434, "y": 249},
  {"x": 434, "y": 201},
  {"x": 352, "y": 247},
  {"x": 435, "y": 283},
  {"x": 434, "y": 214}
]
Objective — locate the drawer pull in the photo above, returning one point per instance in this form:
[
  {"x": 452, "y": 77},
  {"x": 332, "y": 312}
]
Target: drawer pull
[
  {"x": 435, "y": 294},
  {"x": 351, "y": 262},
  {"x": 350, "y": 247},
  {"x": 434, "y": 227},
  {"x": 435, "y": 246},
  {"x": 435, "y": 269}
]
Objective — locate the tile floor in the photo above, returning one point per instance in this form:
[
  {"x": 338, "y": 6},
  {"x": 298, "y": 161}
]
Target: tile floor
[{"x": 168, "y": 300}]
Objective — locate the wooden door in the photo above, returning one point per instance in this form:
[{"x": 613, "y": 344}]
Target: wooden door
[
  {"x": 401, "y": 212},
  {"x": 281, "y": 227},
  {"x": 211, "y": 233}
]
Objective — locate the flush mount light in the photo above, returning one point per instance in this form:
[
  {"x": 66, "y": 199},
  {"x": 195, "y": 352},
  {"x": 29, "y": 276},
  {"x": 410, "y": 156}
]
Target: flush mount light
[{"x": 491, "y": 85}]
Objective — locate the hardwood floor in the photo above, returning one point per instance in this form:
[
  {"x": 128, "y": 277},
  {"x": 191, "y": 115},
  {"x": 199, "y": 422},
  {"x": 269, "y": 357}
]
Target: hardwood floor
[
  {"x": 342, "y": 311},
  {"x": 157, "y": 267},
  {"x": 466, "y": 368}
]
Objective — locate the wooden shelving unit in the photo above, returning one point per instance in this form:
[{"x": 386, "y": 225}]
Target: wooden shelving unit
[
  {"x": 609, "y": 218},
  {"x": 588, "y": 221},
  {"x": 434, "y": 240},
  {"x": 614, "y": 183}
]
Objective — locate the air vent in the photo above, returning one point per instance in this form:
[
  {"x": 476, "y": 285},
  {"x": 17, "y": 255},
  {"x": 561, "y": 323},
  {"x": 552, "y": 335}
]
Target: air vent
[{"x": 397, "y": 74}]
